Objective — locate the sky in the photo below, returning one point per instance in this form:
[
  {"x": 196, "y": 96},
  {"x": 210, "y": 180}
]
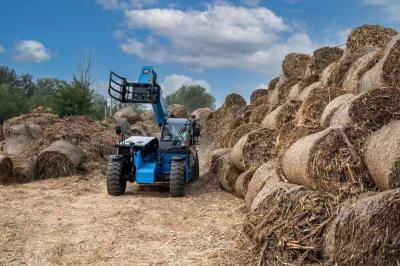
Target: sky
[{"x": 224, "y": 46}]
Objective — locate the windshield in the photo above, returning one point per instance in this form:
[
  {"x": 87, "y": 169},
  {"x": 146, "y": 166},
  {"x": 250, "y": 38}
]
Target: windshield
[{"x": 172, "y": 132}]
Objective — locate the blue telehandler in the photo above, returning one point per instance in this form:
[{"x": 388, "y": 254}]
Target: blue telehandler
[{"x": 146, "y": 160}]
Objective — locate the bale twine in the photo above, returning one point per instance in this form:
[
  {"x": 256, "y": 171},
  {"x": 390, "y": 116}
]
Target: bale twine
[
  {"x": 61, "y": 158},
  {"x": 366, "y": 232},
  {"x": 242, "y": 182},
  {"x": 320, "y": 59},
  {"x": 351, "y": 81},
  {"x": 325, "y": 161},
  {"x": 257, "y": 94},
  {"x": 311, "y": 109},
  {"x": 178, "y": 111},
  {"x": 265, "y": 175},
  {"x": 332, "y": 107},
  {"x": 369, "y": 110},
  {"x": 253, "y": 149},
  {"x": 281, "y": 115},
  {"x": 272, "y": 96},
  {"x": 369, "y": 36},
  {"x": 289, "y": 229},
  {"x": 382, "y": 156},
  {"x": 227, "y": 175},
  {"x": 387, "y": 71},
  {"x": 17, "y": 145},
  {"x": 6, "y": 169}
]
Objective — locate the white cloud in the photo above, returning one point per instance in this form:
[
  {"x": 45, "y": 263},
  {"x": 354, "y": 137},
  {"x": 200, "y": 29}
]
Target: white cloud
[
  {"x": 31, "y": 51},
  {"x": 342, "y": 35},
  {"x": 220, "y": 36},
  {"x": 2, "y": 49},
  {"x": 174, "y": 82},
  {"x": 125, "y": 4},
  {"x": 390, "y": 7}
]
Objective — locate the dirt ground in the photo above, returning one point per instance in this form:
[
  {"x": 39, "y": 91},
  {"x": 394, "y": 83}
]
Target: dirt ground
[{"x": 73, "y": 220}]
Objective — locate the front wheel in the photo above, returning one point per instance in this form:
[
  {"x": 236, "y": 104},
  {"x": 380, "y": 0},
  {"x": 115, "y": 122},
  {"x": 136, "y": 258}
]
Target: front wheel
[
  {"x": 177, "y": 178},
  {"x": 116, "y": 184}
]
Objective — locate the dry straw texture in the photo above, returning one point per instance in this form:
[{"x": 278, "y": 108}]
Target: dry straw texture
[
  {"x": 332, "y": 107},
  {"x": 366, "y": 232},
  {"x": 242, "y": 182},
  {"x": 6, "y": 169}
]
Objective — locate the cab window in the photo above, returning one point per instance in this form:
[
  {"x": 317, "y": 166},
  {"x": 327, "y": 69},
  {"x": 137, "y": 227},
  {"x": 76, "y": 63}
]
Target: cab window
[{"x": 172, "y": 132}]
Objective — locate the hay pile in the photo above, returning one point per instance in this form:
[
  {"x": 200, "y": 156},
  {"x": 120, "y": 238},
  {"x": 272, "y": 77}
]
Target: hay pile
[
  {"x": 325, "y": 161},
  {"x": 129, "y": 114},
  {"x": 149, "y": 119},
  {"x": 382, "y": 156},
  {"x": 253, "y": 149},
  {"x": 17, "y": 145},
  {"x": 318, "y": 147},
  {"x": 257, "y": 94},
  {"x": 366, "y": 232},
  {"x": 6, "y": 169},
  {"x": 309, "y": 114},
  {"x": 61, "y": 158}
]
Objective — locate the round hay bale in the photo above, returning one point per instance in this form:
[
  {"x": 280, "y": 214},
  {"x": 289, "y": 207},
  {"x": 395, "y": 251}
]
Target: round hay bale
[
  {"x": 234, "y": 101},
  {"x": 366, "y": 232},
  {"x": 358, "y": 68},
  {"x": 257, "y": 94},
  {"x": 122, "y": 123},
  {"x": 272, "y": 96},
  {"x": 263, "y": 100},
  {"x": 23, "y": 169},
  {"x": 320, "y": 59},
  {"x": 178, "y": 111},
  {"x": 17, "y": 145},
  {"x": 307, "y": 90},
  {"x": 201, "y": 114},
  {"x": 387, "y": 71},
  {"x": 369, "y": 36},
  {"x": 242, "y": 182},
  {"x": 290, "y": 133},
  {"x": 139, "y": 129},
  {"x": 61, "y": 158},
  {"x": 227, "y": 175},
  {"x": 289, "y": 226},
  {"x": 294, "y": 65},
  {"x": 129, "y": 114},
  {"x": 6, "y": 169},
  {"x": 265, "y": 175},
  {"x": 283, "y": 90},
  {"x": 369, "y": 110},
  {"x": 324, "y": 161},
  {"x": 263, "y": 199},
  {"x": 311, "y": 109},
  {"x": 239, "y": 132},
  {"x": 215, "y": 158},
  {"x": 281, "y": 115},
  {"x": 382, "y": 156},
  {"x": 331, "y": 108},
  {"x": 253, "y": 149},
  {"x": 258, "y": 113}
]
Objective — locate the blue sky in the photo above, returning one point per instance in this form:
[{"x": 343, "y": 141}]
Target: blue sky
[{"x": 226, "y": 46}]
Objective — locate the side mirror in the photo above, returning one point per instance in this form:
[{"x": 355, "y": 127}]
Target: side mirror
[{"x": 118, "y": 130}]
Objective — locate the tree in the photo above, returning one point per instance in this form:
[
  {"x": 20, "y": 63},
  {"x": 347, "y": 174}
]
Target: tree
[
  {"x": 99, "y": 103},
  {"x": 74, "y": 98},
  {"x": 13, "y": 102},
  {"x": 192, "y": 97}
]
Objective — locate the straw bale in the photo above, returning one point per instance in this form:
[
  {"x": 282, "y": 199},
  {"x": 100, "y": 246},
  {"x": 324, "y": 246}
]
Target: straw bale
[
  {"x": 332, "y": 107},
  {"x": 242, "y": 182},
  {"x": 178, "y": 111},
  {"x": 6, "y": 169},
  {"x": 281, "y": 115}
]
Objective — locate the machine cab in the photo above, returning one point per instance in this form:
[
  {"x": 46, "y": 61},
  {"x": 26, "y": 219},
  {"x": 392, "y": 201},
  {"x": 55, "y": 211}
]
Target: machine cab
[{"x": 177, "y": 132}]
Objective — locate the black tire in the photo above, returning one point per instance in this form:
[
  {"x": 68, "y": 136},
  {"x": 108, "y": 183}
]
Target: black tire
[
  {"x": 177, "y": 178},
  {"x": 116, "y": 184},
  {"x": 196, "y": 169}
]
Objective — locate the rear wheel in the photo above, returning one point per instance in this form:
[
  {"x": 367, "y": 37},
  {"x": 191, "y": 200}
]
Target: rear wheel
[
  {"x": 116, "y": 184},
  {"x": 177, "y": 178},
  {"x": 196, "y": 169}
]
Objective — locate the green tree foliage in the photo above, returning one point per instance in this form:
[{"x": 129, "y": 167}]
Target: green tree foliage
[
  {"x": 74, "y": 99},
  {"x": 192, "y": 97},
  {"x": 13, "y": 102},
  {"x": 99, "y": 103}
]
